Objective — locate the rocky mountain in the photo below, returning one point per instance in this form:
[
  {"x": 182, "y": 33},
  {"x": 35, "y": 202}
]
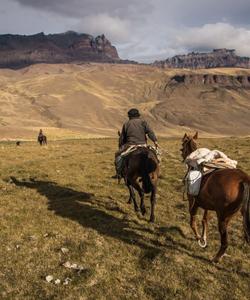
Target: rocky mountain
[
  {"x": 216, "y": 58},
  {"x": 17, "y": 51}
]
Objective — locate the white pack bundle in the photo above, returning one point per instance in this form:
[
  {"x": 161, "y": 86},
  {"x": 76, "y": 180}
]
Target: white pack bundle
[{"x": 193, "y": 180}]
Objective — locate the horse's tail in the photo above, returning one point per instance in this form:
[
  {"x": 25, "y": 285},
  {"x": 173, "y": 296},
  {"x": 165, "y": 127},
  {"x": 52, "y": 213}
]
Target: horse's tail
[
  {"x": 149, "y": 166},
  {"x": 246, "y": 211}
]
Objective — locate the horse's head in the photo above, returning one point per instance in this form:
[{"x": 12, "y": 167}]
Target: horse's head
[{"x": 188, "y": 145}]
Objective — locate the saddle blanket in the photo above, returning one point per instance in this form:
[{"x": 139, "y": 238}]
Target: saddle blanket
[{"x": 133, "y": 148}]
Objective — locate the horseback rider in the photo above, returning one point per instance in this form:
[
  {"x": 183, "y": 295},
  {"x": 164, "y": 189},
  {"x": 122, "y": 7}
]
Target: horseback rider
[
  {"x": 42, "y": 139},
  {"x": 40, "y": 134},
  {"x": 134, "y": 132}
]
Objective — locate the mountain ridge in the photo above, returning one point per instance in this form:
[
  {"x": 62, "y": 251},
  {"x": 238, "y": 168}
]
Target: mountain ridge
[
  {"x": 218, "y": 58},
  {"x": 18, "y": 51}
]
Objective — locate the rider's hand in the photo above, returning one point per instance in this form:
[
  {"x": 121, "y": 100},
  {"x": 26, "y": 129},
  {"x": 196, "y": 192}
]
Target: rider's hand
[{"x": 156, "y": 145}]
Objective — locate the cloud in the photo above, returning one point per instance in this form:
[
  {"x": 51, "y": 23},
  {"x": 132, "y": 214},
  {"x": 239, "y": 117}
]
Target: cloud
[
  {"x": 80, "y": 8},
  {"x": 193, "y": 13},
  {"x": 142, "y": 30},
  {"x": 211, "y": 36},
  {"x": 116, "y": 29}
]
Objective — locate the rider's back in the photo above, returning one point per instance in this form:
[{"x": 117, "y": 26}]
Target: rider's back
[{"x": 135, "y": 130}]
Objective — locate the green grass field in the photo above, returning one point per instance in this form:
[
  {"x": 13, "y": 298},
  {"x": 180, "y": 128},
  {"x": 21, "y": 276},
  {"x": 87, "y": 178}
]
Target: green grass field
[{"x": 63, "y": 196}]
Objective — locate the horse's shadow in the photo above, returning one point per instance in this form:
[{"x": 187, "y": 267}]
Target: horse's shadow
[
  {"x": 89, "y": 212},
  {"x": 86, "y": 210}
]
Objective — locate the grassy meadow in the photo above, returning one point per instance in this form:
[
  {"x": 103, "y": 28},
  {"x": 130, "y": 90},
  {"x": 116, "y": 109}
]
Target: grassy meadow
[{"x": 59, "y": 204}]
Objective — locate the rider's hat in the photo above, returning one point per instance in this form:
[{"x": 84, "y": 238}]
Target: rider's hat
[{"x": 133, "y": 113}]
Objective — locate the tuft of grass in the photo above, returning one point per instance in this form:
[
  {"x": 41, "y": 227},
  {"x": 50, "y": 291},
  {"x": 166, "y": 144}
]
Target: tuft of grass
[{"x": 63, "y": 196}]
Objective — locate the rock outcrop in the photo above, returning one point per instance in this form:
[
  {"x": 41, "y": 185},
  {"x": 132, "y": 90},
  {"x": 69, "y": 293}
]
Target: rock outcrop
[
  {"x": 215, "y": 59},
  {"x": 229, "y": 81},
  {"x": 19, "y": 50}
]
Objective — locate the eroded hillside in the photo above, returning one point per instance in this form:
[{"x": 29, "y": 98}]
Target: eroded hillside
[{"x": 92, "y": 100}]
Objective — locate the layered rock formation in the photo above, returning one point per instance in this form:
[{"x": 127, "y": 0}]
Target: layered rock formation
[
  {"x": 19, "y": 50},
  {"x": 215, "y": 59},
  {"x": 239, "y": 81}
]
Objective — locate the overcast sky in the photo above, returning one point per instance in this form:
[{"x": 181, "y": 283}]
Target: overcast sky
[{"x": 143, "y": 30}]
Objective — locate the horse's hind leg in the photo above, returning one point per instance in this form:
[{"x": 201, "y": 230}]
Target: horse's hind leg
[
  {"x": 132, "y": 196},
  {"x": 223, "y": 223},
  {"x": 153, "y": 200},
  {"x": 193, "y": 212},
  {"x": 136, "y": 185}
]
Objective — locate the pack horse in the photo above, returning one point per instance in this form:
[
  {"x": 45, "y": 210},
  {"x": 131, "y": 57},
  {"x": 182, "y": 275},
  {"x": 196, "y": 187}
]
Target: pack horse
[{"x": 225, "y": 191}]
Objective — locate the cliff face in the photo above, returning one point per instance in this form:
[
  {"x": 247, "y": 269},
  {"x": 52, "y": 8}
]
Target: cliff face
[
  {"x": 239, "y": 81},
  {"x": 215, "y": 59},
  {"x": 18, "y": 51}
]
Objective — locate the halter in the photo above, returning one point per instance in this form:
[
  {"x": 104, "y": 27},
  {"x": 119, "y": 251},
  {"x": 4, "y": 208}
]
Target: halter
[{"x": 188, "y": 146}]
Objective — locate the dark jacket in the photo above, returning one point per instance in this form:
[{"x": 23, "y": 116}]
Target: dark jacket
[{"x": 134, "y": 132}]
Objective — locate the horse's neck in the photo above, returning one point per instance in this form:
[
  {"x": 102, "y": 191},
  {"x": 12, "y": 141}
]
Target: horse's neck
[{"x": 192, "y": 148}]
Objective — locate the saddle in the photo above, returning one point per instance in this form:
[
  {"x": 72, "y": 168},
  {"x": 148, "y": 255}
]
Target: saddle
[
  {"x": 121, "y": 159},
  {"x": 133, "y": 148}
]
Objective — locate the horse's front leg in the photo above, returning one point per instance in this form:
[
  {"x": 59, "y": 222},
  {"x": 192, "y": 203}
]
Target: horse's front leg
[
  {"x": 203, "y": 240},
  {"x": 193, "y": 208}
]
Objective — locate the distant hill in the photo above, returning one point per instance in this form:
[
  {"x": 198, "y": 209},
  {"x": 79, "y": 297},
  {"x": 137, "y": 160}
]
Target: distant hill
[
  {"x": 17, "y": 51},
  {"x": 90, "y": 100},
  {"x": 222, "y": 58}
]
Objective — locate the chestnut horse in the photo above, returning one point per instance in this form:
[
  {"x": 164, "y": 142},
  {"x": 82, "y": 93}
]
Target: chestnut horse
[
  {"x": 225, "y": 191},
  {"x": 142, "y": 166}
]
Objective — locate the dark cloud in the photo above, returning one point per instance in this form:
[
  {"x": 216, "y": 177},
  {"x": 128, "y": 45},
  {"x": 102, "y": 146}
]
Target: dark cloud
[
  {"x": 199, "y": 12},
  {"x": 144, "y": 30},
  {"x": 82, "y": 8}
]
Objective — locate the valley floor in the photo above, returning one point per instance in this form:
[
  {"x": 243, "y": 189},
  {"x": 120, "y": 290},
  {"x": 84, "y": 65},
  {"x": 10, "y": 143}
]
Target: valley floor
[{"x": 63, "y": 196}]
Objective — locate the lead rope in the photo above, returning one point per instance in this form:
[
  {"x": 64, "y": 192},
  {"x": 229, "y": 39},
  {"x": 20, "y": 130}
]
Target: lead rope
[{"x": 185, "y": 185}]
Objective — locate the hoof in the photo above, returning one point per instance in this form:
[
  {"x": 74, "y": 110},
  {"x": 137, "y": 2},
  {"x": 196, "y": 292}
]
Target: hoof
[
  {"x": 136, "y": 209},
  {"x": 202, "y": 243},
  {"x": 215, "y": 260},
  {"x": 143, "y": 210},
  {"x": 129, "y": 201}
]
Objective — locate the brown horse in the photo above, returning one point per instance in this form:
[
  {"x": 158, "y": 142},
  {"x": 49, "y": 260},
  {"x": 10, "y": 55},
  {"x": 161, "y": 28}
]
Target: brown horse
[
  {"x": 142, "y": 166},
  {"x": 42, "y": 139},
  {"x": 225, "y": 191}
]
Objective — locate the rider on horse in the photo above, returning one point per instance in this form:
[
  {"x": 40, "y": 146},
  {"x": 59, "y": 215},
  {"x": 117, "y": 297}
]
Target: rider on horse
[
  {"x": 134, "y": 132},
  {"x": 42, "y": 139}
]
